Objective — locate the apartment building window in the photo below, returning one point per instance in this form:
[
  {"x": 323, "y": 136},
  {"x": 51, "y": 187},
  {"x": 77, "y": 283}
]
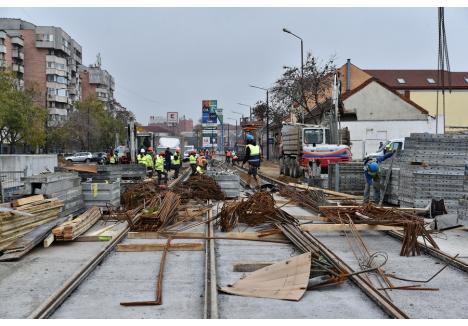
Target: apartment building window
[
  {"x": 55, "y": 65},
  {"x": 100, "y": 94},
  {"x": 57, "y": 79},
  {"x": 45, "y": 37}
]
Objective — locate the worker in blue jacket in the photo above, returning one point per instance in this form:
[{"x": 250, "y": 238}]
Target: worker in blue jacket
[{"x": 372, "y": 176}]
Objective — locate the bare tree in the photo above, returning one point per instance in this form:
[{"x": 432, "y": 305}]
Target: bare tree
[
  {"x": 277, "y": 112},
  {"x": 309, "y": 92}
]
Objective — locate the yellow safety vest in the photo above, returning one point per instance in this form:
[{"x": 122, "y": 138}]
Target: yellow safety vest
[
  {"x": 140, "y": 159},
  {"x": 176, "y": 162},
  {"x": 192, "y": 159},
  {"x": 112, "y": 159},
  {"x": 199, "y": 170},
  {"x": 159, "y": 165},
  {"x": 254, "y": 153},
  {"x": 148, "y": 161}
]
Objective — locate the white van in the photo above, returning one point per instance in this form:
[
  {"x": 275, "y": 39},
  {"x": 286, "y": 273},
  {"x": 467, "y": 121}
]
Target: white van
[{"x": 395, "y": 145}]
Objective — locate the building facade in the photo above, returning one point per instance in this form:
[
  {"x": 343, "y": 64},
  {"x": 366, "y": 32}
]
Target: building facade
[
  {"x": 50, "y": 65},
  {"x": 12, "y": 54}
]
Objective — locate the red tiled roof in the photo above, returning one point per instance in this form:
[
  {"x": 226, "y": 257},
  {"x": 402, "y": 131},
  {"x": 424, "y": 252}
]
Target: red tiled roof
[
  {"x": 156, "y": 128},
  {"x": 417, "y": 79},
  {"x": 367, "y": 82}
]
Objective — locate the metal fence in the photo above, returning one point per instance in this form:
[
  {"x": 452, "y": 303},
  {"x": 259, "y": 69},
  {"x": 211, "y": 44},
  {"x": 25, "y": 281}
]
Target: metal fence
[{"x": 10, "y": 184}]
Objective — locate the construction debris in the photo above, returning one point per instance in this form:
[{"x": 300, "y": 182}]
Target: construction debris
[
  {"x": 256, "y": 210},
  {"x": 71, "y": 230},
  {"x": 311, "y": 199}
]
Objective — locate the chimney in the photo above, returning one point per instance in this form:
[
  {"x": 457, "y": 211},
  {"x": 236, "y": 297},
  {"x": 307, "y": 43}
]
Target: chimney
[{"x": 348, "y": 75}]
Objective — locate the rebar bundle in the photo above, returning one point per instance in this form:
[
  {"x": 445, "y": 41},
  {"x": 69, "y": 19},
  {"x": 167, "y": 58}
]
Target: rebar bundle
[
  {"x": 199, "y": 187},
  {"x": 139, "y": 193},
  {"x": 413, "y": 225},
  {"x": 161, "y": 212},
  {"x": 311, "y": 199},
  {"x": 256, "y": 210}
]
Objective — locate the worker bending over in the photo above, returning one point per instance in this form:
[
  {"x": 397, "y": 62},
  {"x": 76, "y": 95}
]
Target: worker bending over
[
  {"x": 252, "y": 156},
  {"x": 193, "y": 162},
  {"x": 372, "y": 175},
  {"x": 176, "y": 163},
  {"x": 201, "y": 168},
  {"x": 160, "y": 168}
]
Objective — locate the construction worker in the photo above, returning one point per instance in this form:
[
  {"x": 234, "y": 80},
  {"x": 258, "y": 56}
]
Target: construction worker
[
  {"x": 167, "y": 159},
  {"x": 176, "y": 163},
  {"x": 234, "y": 157},
  {"x": 149, "y": 162},
  {"x": 228, "y": 156},
  {"x": 193, "y": 162},
  {"x": 252, "y": 155},
  {"x": 141, "y": 157},
  {"x": 201, "y": 168},
  {"x": 159, "y": 167},
  {"x": 372, "y": 176},
  {"x": 113, "y": 157}
]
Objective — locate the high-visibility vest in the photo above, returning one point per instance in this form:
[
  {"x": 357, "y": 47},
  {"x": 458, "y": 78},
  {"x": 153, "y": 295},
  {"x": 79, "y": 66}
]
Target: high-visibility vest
[
  {"x": 254, "y": 153},
  {"x": 148, "y": 160},
  {"x": 176, "y": 161},
  {"x": 112, "y": 159},
  {"x": 199, "y": 170},
  {"x": 192, "y": 159},
  {"x": 140, "y": 159},
  {"x": 159, "y": 165}
]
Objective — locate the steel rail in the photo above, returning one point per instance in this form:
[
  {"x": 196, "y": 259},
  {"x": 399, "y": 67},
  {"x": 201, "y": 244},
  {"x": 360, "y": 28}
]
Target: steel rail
[
  {"x": 54, "y": 301},
  {"x": 210, "y": 307}
]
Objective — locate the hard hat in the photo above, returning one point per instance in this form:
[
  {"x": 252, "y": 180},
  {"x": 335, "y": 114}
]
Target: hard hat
[
  {"x": 250, "y": 137},
  {"x": 142, "y": 150},
  {"x": 150, "y": 149},
  {"x": 374, "y": 167}
]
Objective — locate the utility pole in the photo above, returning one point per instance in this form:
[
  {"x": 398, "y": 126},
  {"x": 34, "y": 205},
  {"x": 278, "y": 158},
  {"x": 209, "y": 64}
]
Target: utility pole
[{"x": 302, "y": 62}]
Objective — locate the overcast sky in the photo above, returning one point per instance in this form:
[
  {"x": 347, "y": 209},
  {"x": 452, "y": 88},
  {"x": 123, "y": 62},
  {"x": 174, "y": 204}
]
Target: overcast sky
[{"x": 167, "y": 59}]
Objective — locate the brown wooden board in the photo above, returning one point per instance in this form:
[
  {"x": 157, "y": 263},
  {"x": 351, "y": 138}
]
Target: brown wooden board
[
  {"x": 159, "y": 247},
  {"x": 26, "y": 200}
]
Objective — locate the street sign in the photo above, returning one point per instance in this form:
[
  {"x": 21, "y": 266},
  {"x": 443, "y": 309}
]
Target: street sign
[
  {"x": 172, "y": 117},
  {"x": 206, "y": 141}
]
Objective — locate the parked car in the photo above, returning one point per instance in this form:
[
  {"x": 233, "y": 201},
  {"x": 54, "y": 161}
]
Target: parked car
[
  {"x": 99, "y": 157},
  {"x": 395, "y": 145},
  {"x": 80, "y": 157}
]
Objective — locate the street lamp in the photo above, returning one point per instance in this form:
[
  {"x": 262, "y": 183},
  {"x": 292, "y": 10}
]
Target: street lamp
[
  {"x": 302, "y": 62},
  {"x": 267, "y": 122},
  {"x": 250, "y": 109},
  {"x": 302, "y": 49}
]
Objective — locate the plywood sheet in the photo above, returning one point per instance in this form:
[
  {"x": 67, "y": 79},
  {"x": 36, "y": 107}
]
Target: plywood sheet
[{"x": 286, "y": 280}]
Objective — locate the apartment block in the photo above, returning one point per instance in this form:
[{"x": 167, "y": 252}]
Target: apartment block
[
  {"x": 50, "y": 65},
  {"x": 99, "y": 82},
  {"x": 12, "y": 54}
]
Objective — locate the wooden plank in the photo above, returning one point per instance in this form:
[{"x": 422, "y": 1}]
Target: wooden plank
[
  {"x": 326, "y": 191},
  {"x": 91, "y": 168},
  {"x": 160, "y": 247},
  {"x": 247, "y": 267},
  {"x": 323, "y": 227},
  {"x": 93, "y": 238},
  {"x": 48, "y": 241},
  {"x": 159, "y": 235},
  {"x": 26, "y": 200}
]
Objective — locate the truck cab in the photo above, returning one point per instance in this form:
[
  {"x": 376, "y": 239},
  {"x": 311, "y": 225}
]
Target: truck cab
[{"x": 304, "y": 145}]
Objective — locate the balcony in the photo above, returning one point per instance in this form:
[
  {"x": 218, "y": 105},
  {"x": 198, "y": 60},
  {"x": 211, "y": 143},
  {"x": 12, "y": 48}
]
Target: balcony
[
  {"x": 57, "y": 98},
  {"x": 18, "y": 68},
  {"x": 3, "y": 35},
  {"x": 17, "y": 54},
  {"x": 2, "y": 48},
  {"x": 17, "y": 40}
]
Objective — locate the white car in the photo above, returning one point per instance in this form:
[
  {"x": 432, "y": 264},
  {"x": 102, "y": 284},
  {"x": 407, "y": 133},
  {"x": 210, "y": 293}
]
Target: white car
[
  {"x": 395, "y": 145},
  {"x": 80, "y": 157}
]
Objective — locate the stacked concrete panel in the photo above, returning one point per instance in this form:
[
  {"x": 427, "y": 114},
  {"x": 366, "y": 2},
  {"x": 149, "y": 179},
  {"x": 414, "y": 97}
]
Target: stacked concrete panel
[
  {"x": 393, "y": 189},
  {"x": 433, "y": 166},
  {"x": 350, "y": 176},
  {"x": 228, "y": 180},
  {"x": 118, "y": 171},
  {"x": 101, "y": 194},
  {"x": 65, "y": 186}
]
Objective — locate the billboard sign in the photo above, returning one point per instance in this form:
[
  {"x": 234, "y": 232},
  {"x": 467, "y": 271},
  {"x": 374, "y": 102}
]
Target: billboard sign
[
  {"x": 209, "y": 111},
  {"x": 206, "y": 141},
  {"x": 172, "y": 117}
]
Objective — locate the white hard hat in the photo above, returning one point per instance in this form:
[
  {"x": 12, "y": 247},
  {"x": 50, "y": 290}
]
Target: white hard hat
[{"x": 142, "y": 150}]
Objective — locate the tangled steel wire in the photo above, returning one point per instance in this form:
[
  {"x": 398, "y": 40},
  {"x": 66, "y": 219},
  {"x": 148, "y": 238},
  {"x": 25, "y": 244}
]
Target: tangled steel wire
[
  {"x": 413, "y": 225},
  {"x": 199, "y": 187},
  {"x": 161, "y": 212},
  {"x": 256, "y": 210}
]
